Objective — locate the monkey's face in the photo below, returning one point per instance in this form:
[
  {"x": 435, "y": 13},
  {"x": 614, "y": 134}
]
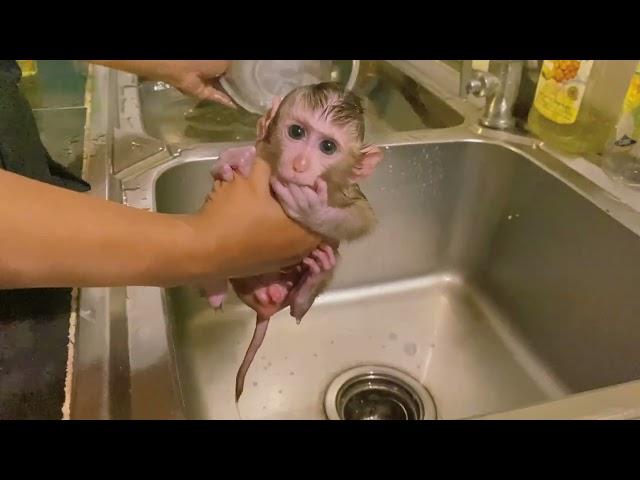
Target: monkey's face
[{"x": 310, "y": 145}]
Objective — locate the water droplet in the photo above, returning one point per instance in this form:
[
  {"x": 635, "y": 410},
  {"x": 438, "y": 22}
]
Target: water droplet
[
  {"x": 384, "y": 346},
  {"x": 332, "y": 342},
  {"x": 279, "y": 391},
  {"x": 255, "y": 384},
  {"x": 315, "y": 354},
  {"x": 291, "y": 373},
  {"x": 410, "y": 348},
  {"x": 393, "y": 336}
]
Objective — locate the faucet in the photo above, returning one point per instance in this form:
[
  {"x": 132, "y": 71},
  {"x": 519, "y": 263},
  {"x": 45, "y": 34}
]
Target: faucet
[{"x": 500, "y": 86}]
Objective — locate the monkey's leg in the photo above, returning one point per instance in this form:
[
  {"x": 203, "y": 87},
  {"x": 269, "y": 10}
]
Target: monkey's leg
[{"x": 321, "y": 264}]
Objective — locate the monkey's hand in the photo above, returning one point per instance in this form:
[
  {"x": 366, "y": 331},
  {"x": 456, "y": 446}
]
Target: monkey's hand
[
  {"x": 321, "y": 263},
  {"x": 309, "y": 206},
  {"x": 234, "y": 160}
]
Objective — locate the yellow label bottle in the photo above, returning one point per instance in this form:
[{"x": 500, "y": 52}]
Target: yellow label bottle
[
  {"x": 577, "y": 103},
  {"x": 561, "y": 89},
  {"x": 28, "y": 67}
]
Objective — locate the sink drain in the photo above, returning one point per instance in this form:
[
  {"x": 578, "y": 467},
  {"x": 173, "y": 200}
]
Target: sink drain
[{"x": 378, "y": 393}]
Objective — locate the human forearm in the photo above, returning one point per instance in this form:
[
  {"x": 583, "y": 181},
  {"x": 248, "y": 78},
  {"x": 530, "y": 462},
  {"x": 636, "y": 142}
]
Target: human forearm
[
  {"x": 192, "y": 77},
  {"x": 145, "y": 68},
  {"x": 51, "y": 237}
]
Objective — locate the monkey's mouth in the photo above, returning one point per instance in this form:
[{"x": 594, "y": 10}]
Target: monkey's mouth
[{"x": 292, "y": 179}]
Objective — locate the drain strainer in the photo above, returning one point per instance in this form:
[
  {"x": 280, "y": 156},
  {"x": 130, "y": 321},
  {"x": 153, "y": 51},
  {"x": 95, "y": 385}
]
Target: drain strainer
[{"x": 378, "y": 393}]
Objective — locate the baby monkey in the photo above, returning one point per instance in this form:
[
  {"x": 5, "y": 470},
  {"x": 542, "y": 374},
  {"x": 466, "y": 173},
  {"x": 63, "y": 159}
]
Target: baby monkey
[{"x": 313, "y": 140}]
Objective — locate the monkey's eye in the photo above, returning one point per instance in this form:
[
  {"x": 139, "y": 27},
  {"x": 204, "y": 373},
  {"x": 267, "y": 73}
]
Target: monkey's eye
[
  {"x": 296, "y": 132},
  {"x": 328, "y": 147}
]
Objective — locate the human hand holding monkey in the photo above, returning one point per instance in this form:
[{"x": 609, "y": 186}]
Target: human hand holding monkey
[
  {"x": 313, "y": 140},
  {"x": 246, "y": 206}
]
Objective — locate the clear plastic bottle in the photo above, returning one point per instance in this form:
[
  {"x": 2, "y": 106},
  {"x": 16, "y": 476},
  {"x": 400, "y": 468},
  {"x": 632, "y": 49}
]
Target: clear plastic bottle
[
  {"x": 628, "y": 127},
  {"x": 622, "y": 161},
  {"x": 577, "y": 103}
]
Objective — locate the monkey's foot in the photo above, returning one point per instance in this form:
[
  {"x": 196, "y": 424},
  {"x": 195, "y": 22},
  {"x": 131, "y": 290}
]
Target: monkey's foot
[
  {"x": 216, "y": 300},
  {"x": 238, "y": 160}
]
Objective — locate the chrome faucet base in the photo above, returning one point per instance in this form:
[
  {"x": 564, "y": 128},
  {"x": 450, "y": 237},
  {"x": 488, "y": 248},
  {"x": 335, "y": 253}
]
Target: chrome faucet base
[
  {"x": 500, "y": 87},
  {"x": 498, "y": 123}
]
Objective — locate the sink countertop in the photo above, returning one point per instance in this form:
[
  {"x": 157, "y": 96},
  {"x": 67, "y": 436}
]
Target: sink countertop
[
  {"x": 34, "y": 324},
  {"x": 587, "y": 167}
]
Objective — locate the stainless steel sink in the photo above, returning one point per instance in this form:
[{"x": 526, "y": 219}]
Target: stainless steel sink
[
  {"x": 499, "y": 280},
  {"x": 475, "y": 283}
]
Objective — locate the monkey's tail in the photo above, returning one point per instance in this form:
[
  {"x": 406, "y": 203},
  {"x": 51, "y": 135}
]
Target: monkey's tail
[{"x": 258, "y": 336}]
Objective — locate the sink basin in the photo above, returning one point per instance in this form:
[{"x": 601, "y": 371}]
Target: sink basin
[
  {"x": 489, "y": 281},
  {"x": 394, "y": 103}
]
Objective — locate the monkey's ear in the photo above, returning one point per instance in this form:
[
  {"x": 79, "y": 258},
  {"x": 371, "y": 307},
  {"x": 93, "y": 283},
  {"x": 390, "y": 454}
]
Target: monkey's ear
[
  {"x": 265, "y": 120},
  {"x": 275, "y": 104},
  {"x": 370, "y": 157}
]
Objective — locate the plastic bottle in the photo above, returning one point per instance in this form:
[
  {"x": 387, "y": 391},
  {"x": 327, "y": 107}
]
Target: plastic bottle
[
  {"x": 577, "y": 103},
  {"x": 622, "y": 161},
  {"x": 628, "y": 126},
  {"x": 28, "y": 67}
]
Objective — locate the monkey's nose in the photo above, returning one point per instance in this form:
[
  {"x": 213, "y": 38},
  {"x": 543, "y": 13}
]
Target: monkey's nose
[{"x": 300, "y": 164}]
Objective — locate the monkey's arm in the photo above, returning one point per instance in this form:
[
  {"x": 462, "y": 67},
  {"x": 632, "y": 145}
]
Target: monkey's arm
[
  {"x": 346, "y": 223},
  {"x": 341, "y": 223}
]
